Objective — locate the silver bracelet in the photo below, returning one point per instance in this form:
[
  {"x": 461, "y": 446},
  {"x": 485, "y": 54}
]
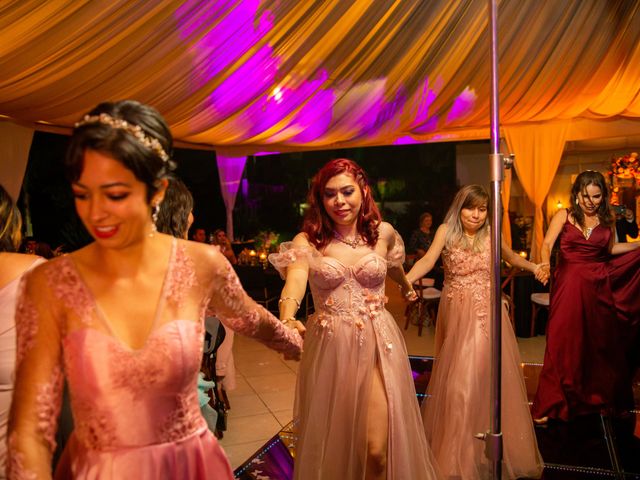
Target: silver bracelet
[{"x": 282, "y": 299}]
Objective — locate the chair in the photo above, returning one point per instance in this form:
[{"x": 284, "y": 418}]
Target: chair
[
  {"x": 260, "y": 285},
  {"x": 538, "y": 301},
  {"x": 428, "y": 300}
]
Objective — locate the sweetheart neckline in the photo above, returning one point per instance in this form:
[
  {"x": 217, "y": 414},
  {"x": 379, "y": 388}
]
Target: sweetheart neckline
[{"x": 356, "y": 262}]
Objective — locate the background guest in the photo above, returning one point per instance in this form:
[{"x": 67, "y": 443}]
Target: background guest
[
  {"x": 220, "y": 239},
  {"x": 199, "y": 235},
  {"x": 421, "y": 239},
  {"x": 626, "y": 226}
]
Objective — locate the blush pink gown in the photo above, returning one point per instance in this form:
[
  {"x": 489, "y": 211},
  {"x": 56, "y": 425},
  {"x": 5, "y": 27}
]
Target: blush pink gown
[
  {"x": 349, "y": 333},
  {"x": 458, "y": 402},
  {"x": 136, "y": 411}
]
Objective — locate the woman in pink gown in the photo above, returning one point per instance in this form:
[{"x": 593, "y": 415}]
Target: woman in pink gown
[
  {"x": 122, "y": 320},
  {"x": 12, "y": 267},
  {"x": 458, "y": 406},
  {"x": 594, "y": 311},
  {"x": 356, "y": 407}
]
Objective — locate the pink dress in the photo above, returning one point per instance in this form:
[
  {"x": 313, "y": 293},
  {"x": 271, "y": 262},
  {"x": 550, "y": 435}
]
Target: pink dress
[
  {"x": 348, "y": 334},
  {"x": 136, "y": 411},
  {"x": 458, "y": 402},
  {"x": 8, "y": 297}
]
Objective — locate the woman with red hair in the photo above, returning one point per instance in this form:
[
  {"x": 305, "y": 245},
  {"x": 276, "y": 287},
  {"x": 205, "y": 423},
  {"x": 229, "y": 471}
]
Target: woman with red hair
[{"x": 355, "y": 401}]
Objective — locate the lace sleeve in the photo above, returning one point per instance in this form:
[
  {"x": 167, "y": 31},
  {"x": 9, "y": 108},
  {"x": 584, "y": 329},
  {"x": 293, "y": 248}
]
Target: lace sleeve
[
  {"x": 231, "y": 304},
  {"x": 289, "y": 254},
  {"x": 39, "y": 381},
  {"x": 395, "y": 255}
]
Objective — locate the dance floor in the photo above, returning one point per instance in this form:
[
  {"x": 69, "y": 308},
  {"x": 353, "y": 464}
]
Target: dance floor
[{"x": 587, "y": 448}]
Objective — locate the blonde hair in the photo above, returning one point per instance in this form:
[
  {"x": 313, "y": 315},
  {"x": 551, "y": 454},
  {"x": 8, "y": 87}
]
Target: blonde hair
[
  {"x": 469, "y": 196},
  {"x": 10, "y": 223}
]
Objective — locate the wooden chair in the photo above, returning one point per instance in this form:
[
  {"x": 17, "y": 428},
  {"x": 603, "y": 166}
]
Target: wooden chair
[
  {"x": 538, "y": 301},
  {"x": 427, "y": 304}
]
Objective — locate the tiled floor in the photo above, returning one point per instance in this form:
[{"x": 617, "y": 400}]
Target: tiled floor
[{"x": 262, "y": 403}]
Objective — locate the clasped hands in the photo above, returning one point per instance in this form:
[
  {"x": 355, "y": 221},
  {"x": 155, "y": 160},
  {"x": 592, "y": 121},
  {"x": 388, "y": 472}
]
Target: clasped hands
[
  {"x": 542, "y": 272},
  {"x": 295, "y": 324}
]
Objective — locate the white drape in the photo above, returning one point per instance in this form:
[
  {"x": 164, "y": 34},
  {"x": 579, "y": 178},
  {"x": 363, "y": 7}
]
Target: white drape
[
  {"x": 15, "y": 142},
  {"x": 230, "y": 171}
]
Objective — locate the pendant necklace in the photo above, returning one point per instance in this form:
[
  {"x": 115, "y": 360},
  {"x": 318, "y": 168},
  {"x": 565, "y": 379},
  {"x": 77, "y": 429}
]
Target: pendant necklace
[
  {"x": 352, "y": 243},
  {"x": 589, "y": 230}
]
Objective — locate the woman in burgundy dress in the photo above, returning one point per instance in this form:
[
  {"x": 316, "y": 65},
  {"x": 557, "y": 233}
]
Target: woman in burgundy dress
[{"x": 594, "y": 309}]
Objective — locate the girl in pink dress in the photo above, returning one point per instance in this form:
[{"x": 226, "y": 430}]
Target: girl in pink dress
[
  {"x": 12, "y": 267},
  {"x": 122, "y": 320},
  {"x": 457, "y": 406},
  {"x": 358, "y": 417}
]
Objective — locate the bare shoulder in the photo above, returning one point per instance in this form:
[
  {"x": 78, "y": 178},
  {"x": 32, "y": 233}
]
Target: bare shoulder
[
  {"x": 562, "y": 214},
  {"x": 301, "y": 240},
  {"x": 13, "y": 265},
  {"x": 386, "y": 230},
  {"x": 203, "y": 253},
  {"x": 442, "y": 229}
]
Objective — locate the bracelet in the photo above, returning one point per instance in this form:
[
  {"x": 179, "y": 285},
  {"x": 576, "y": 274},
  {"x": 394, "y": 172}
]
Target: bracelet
[
  {"x": 290, "y": 319},
  {"x": 282, "y": 299},
  {"x": 410, "y": 294}
]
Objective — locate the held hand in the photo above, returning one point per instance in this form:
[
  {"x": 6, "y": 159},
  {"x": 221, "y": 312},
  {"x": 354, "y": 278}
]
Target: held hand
[
  {"x": 409, "y": 295},
  {"x": 542, "y": 273},
  {"x": 296, "y": 325}
]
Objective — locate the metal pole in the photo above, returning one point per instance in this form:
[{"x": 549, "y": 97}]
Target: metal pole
[{"x": 493, "y": 446}]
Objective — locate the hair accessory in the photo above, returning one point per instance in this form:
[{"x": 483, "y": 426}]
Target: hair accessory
[{"x": 135, "y": 130}]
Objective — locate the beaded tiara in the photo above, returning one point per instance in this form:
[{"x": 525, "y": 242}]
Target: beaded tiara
[{"x": 135, "y": 130}]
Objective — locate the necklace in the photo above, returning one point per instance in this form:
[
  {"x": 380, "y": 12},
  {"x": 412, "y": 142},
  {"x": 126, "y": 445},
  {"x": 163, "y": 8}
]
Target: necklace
[
  {"x": 357, "y": 240},
  {"x": 471, "y": 237},
  {"x": 589, "y": 230}
]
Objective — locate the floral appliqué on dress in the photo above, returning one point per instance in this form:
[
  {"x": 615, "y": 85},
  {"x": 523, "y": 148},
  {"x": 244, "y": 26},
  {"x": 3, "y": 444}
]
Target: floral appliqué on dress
[
  {"x": 48, "y": 404},
  {"x": 26, "y": 325},
  {"x": 15, "y": 465},
  {"x": 468, "y": 272},
  {"x": 181, "y": 278},
  {"x": 66, "y": 284},
  {"x": 184, "y": 420}
]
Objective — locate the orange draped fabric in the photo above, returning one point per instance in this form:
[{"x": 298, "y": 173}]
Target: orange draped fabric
[
  {"x": 285, "y": 75},
  {"x": 538, "y": 150}
]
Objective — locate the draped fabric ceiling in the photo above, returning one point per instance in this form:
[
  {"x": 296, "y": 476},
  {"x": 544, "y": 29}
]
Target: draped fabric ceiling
[
  {"x": 277, "y": 75},
  {"x": 243, "y": 77}
]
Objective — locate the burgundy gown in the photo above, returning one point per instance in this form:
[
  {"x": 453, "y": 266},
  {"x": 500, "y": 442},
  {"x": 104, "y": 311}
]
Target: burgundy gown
[{"x": 592, "y": 328}]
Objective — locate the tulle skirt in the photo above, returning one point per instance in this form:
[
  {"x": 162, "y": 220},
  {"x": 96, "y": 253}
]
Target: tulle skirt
[
  {"x": 458, "y": 402},
  {"x": 333, "y": 390}
]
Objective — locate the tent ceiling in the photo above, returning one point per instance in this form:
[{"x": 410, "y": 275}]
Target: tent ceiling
[{"x": 287, "y": 75}]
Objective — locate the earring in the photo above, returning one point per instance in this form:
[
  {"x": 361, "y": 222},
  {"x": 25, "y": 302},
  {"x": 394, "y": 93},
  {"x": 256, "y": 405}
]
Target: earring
[
  {"x": 577, "y": 201},
  {"x": 155, "y": 211}
]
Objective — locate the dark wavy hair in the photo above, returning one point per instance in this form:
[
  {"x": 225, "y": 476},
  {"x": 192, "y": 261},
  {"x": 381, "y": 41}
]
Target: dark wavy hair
[
  {"x": 173, "y": 217},
  {"x": 318, "y": 225},
  {"x": 144, "y": 162},
  {"x": 10, "y": 223},
  {"x": 586, "y": 178}
]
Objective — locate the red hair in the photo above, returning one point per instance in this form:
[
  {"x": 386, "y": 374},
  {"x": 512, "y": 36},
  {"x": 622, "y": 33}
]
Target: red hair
[{"x": 318, "y": 225}]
